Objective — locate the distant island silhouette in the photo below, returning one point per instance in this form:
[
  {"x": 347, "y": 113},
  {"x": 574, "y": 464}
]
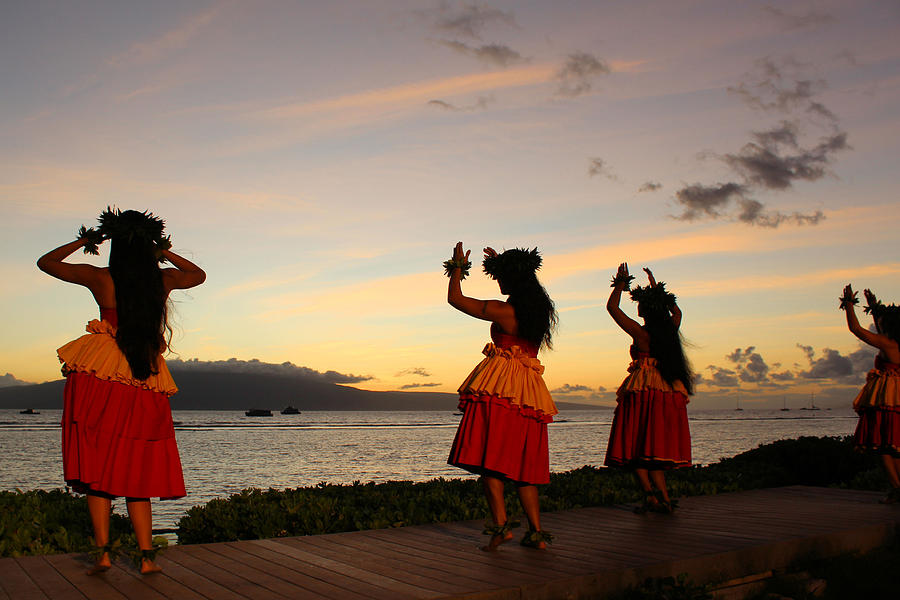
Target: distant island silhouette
[{"x": 218, "y": 389}]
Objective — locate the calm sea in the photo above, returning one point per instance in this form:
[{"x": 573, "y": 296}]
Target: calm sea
[{"x": 225, "y": 452}]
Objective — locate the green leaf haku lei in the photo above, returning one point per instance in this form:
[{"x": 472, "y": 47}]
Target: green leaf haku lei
[
  {"x": 654, "y": 298},
  {"x": 514, "y": 263},
  {"x": 128, "y": 226}
]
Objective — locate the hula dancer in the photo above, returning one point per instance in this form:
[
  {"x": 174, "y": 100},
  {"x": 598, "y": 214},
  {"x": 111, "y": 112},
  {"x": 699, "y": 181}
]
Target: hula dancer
[
  {"x": 117, "y": 433},
  {"x": 878, "y": 403},
  {"x": 506, "y": 406},
  {"x": 650, "y": 432}
]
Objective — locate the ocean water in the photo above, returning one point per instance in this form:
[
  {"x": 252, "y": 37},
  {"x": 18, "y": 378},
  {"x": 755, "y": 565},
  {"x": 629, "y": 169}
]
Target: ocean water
[{"x": 225, "y": 452}]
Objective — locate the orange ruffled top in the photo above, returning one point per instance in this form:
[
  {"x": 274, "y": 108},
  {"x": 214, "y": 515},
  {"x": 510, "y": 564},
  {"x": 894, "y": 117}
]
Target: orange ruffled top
[
  {"x": 882, "y": 388},
  {"x": 643, "y": 375},
  {"x": 98, "y": 354},
  {"x": 512, "y": 371}
]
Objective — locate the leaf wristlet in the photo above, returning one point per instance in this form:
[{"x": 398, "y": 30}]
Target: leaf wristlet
[
  {"x": 462, "y": 264},
  {"x": 848, "y": 300},
  {"x": 623, "y": 279}
]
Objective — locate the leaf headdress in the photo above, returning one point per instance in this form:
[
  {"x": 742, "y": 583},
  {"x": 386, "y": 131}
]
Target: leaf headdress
[
  {"x": 654, "y": 298},
  {"x": 513, "y": 264},
  {"x": 129, "y": 226}
]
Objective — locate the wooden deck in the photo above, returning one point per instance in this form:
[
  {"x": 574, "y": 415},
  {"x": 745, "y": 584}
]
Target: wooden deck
[{"x": 597, "y": 550}]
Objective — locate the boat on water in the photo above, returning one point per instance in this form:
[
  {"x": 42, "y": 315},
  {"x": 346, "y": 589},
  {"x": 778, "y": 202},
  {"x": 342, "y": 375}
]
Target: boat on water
[
  {"x": 258, "y": 412},
  {"x": 290, "y": 410},
  {"x": 29, "y": 411}
]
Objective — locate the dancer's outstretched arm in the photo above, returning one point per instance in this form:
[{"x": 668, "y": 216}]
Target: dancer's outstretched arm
[{"x": 495, "y": 311}]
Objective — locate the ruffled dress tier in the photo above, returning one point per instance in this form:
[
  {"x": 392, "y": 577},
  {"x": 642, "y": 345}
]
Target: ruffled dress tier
[
  {"x": 878, "y": 407},
  {"x": 506, "y": 407},
  {"x": 650, "y": 426},
  {"x": 117, "y": 433}
]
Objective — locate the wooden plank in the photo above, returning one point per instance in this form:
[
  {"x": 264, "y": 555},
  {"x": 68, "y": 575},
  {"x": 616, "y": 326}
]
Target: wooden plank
[
  {"x": 74, "y": 568},
  {"x": 344, "y": 549},
  {"x": 327, "y": 570},
  {"x": 390, "y": 587},
  {"x": 17, "y": 584},
  {"x": 214, "y": 567},
  {"x": 51, "y": 582},
  {"x": 293, "y": 583},
  {"x": 409, "y": 545},
  {"x": 304, "y": 574},
  {"x": 204, "y": 587}
]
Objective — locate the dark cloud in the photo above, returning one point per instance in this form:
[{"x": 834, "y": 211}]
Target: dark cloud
[
  {"x": 420, "y": 371},
  {"x": 836, "y": 366},
  {"x": 722, "y": 377},
  {"x": 578, "y": 73},
  {"x": 468, "y": 19},
  {"x": 598, "y": 166},
  {"x": 650, "y": 186},
  {"x": 410, "y": 386},
  {"x": 775, "y": 159},
  {"x": 492, "y": 54},
  {"x": 581, "y": 393},
  {"x": 9, "y": 380},
  {"x": 233, "y": 365},
  {"x": 765, "y": 165},
  {"x": 480, "y": 104},
  {"x": 573, "y": 389},
  {"x": 810, "y": 20},
  {"x": 707, "y": 201}
]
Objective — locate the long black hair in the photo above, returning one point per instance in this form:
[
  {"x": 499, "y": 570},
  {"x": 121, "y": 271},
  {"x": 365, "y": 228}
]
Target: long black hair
[
  {"x": 141, "y": 302},
  {"x": 516, "y": 272},
  {"x": 667, "y": 346}
]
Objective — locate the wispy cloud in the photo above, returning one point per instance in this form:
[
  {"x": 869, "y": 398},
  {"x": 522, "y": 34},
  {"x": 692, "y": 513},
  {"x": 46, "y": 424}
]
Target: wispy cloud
[
  {"x": 650, "y": 186},
  {"x": 467, "y": 19},
  {"x": 492, "y": 54},
  {"x": 811, "y": 19},
  {"x": 599, "y": 167},
  {"x": 579, "y": 73},
  {"x": 418, "y": 371},
  {"x": 169, "y": 41},
  {"x": 479, "y": 104},
  {"x": 413, "y": 94}
]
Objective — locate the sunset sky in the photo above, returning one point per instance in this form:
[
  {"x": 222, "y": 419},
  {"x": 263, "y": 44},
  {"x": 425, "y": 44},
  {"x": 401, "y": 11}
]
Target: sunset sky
[{"x": 320, "y": 160}]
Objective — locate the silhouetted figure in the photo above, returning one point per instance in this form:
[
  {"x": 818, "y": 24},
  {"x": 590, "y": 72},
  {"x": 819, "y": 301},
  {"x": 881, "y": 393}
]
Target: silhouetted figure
[
  {"x": 878, "y": 403},
  {"x": 650, "y": 432},
  {"x": 506, "y": 406},
  {"x": 117, "y": 432}
]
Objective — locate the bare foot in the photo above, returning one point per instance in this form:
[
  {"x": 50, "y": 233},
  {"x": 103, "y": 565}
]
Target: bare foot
[
  {"x": 148, "y": 567},
  {"x": 496, "y": 540},
  {"x": 103, "y": 564}
]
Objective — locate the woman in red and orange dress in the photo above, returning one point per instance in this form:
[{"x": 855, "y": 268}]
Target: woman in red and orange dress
[
  {"x": 117, "y": 432},
  {"x": 502, "y": 435},
  {"x": 650, "y": 432},
  {"x": 878, "y": 403}
]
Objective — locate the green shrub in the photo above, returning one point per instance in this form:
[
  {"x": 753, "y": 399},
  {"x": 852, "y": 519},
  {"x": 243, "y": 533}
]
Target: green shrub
[
  {"x": 41, "y": 522},
  {"x": 325, "y": 508}
]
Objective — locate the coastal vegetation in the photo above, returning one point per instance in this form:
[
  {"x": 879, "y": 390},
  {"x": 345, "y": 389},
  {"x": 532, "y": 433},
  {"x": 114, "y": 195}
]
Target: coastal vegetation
[{"x": 38, "y": 522}]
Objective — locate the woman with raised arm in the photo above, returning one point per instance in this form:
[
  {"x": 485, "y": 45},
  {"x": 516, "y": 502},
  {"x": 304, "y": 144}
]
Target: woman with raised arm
[
  {"x": 117, "y": 433},
  {"x": 502, "y": 435},
  {"x": 650, "y": 432},
  {"x": 878, "y": 403}
]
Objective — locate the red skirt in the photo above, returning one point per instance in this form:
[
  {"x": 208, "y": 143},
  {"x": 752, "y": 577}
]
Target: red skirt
[
  {"x": 878, "y": 430},
  {"x": 650, "y": 430},
  {"x": 494, "y": 438},
  {"x": 119, "y": 440}
]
